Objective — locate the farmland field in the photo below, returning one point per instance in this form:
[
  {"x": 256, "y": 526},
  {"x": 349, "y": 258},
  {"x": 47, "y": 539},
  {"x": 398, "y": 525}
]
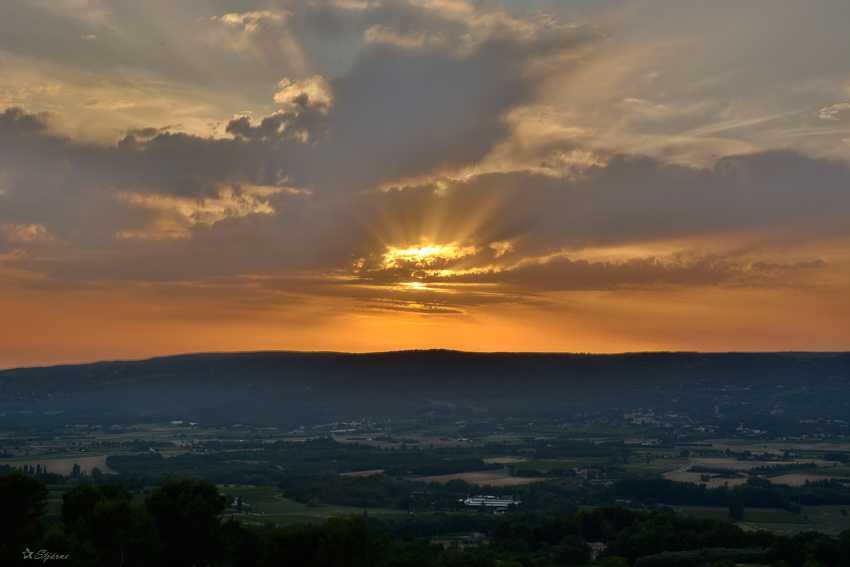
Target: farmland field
[
  {"x": 719, "y": 514},
  {"x": 830, "y": 471},
  {"x": 363, "y": 473},
  {"x": 493, "y": 478},
  {"x": 797, "y": 479},
  {"x": 828, "y": 519},
  {"x": 727, "y": 463},
  {"x": 657, "y": 466},
  {"x": 712, "y": 482},
  {"x": 264, "y": 505},
  {"x": 548, "y": 465},
  {"x": 62, "y": 464},
  {"x": 752, "y": 516},
  {"x": 772, "y": 517}
]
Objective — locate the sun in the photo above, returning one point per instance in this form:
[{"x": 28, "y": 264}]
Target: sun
[{"x": 431, "y": 258}]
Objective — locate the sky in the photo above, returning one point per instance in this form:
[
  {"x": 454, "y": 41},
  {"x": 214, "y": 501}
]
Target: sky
[{"x": 372, "y": 175}]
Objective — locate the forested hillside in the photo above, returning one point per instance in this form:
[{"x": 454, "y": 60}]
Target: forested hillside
[{"x": 767, "y": 391}]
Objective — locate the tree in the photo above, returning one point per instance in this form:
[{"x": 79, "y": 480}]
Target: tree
[
  {"x": 342, "y": 540},
  {"x": 79, "y": 502},
  {"x": 295, "y": 546},
  {"x": 736, "y": 510},
  {"x": 245, "y": 547},
  {"x": 80, "y": 554},
  {"x": 102, "y": 519},
  {"x": 75, "y": 471},
  {"x": 23, "y": 504},
  {"x": 346, "y": 540},
  {"x": 185, "y": 514},
  {"x": 501, "y": 532},
  {"x": 570, "y": 555},
  {"x": 844, "y": 547}
]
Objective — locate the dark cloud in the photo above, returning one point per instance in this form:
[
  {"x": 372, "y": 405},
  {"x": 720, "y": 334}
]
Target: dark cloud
[
  {"x": 394, "y": 113},
  {"x": 793, "y": 266},
  {"x": 84, "y": 212},
  {"x": 404, "y": 116},
  {"x": 302, "y": 125},
  {"x": 635, "y": 199},
  {"x": 147, "y": 133},
  {"x": 15, "y": 120},
  {"x": 561, "y": 274},
  {"x": 404, "y": 112}
]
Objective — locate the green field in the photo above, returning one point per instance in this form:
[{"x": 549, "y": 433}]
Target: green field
[
  {"x": 772, "y": 517},
  {"x": 637, "y": 465},
  {"x": 279, "y": 521},
  {"x": 268, "y": 508},
  {"x": 828, "y": 519},
  {"x": 35, "y": 456},
  {"x": 828, "y": 471},
  {"x": 250, "y": 493},
  {"x": 657, "y": 466},
  {"x": 549, "y": 465},
  {"x": 719, "y": 514},
  {"x": 262, "y": 501},
  {"x": 746, "y": 442},
  {"x": 755, "y": 516}
]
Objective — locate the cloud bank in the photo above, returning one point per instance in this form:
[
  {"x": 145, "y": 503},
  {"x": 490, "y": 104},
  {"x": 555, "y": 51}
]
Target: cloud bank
[{"x": 441, "y": 158}]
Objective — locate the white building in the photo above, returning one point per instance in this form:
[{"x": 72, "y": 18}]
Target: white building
[{"x": 491, "y": 501}]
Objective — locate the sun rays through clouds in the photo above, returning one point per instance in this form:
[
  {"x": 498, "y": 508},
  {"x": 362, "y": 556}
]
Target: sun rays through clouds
[{"x": 370, "y": 175}]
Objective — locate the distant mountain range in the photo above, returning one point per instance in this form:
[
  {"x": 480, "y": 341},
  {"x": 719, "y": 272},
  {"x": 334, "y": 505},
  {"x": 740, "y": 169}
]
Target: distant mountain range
[{"x": 680, "y": 390}]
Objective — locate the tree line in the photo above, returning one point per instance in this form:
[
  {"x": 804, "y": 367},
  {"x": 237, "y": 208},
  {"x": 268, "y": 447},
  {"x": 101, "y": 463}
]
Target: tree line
[{"x": 180, "y": 524}]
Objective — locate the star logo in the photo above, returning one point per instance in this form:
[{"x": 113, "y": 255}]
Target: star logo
[{"x": 27, "y": 554}]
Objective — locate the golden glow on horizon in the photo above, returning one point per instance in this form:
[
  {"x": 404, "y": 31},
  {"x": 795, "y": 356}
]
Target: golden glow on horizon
[{"x": 126, "y": 321}]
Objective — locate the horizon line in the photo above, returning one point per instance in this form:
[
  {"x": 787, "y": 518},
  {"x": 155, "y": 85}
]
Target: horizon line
[{"x": 366, "y": 353}]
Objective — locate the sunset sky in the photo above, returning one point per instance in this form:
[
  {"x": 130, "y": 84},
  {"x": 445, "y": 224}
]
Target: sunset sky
[{"x": 369, "y": 175}]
